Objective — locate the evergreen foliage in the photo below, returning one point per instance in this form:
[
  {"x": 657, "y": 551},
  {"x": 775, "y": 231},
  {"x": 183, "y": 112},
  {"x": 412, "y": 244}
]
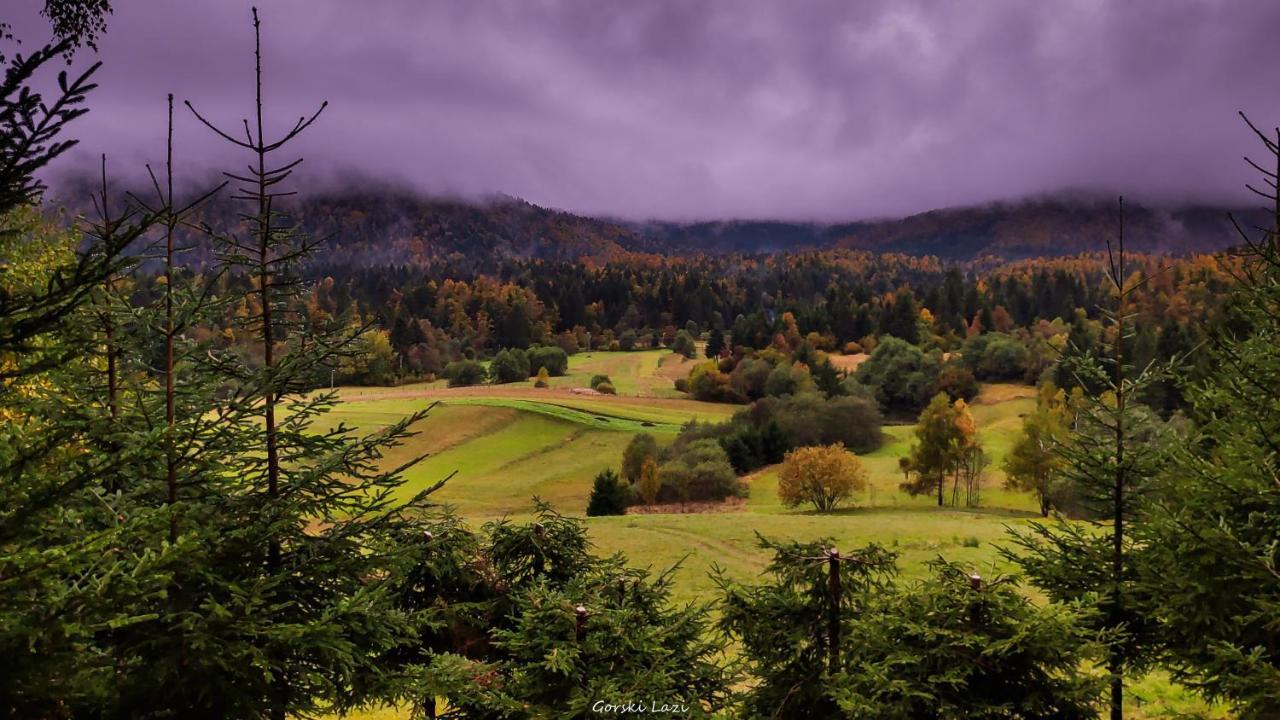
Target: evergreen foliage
[
  {"x": 833, "y": 635},
  {"x": 715, "y": 343},
  {"x": 523, "y": 621},
  {"x": 1210, "y": 566},
  {"x": 960, "y": 646},
  {"x": 609, "y": 495},
  {"x": 904, "y": 377},
  {"x": 1111, "y": 460}
]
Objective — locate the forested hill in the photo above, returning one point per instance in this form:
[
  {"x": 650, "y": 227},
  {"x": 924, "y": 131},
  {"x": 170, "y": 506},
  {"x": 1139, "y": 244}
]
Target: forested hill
[
  {"x": 401, "y": 228},
  {"x": 385, "y": 226},
  {"x": 1044, "y": 228}
]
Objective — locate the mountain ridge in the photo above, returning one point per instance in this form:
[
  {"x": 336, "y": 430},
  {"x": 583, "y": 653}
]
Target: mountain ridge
[{"x": 396, "y": 226}]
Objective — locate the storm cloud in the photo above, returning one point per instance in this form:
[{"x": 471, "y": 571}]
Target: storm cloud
[{"x": 682, "y": 109}]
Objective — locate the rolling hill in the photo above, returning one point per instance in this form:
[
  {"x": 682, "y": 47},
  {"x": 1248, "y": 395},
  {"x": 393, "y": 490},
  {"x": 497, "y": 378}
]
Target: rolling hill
[{"x": 375, "y": 226}]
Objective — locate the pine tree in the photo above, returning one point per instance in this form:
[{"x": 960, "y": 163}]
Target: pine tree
[
  {"x": 1110, "y": 464},
  {"x": 1212, "y": 569},
  {"x": 963, "y": 647},
  {"x": 523, "y": 621},
  {"x": 609, "y": 495},
  {"x": 793, "y": 628},
  {"x": 833, "y": 635},
  {"x": 75, "y": 566},
  {"x": 715, "y": 343},
  {"x": 290, "y": 607}
]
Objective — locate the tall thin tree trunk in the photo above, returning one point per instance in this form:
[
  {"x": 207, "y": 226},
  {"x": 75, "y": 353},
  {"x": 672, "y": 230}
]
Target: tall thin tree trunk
[
  {"x": 171, "y": 461},
  {"x": 835, "y": 590},
  {"x": 1115, "y": 660},
  {"x": 268, "y": 334},
  {"x": 108, "y": 324},
  {"x": 170, "y": 392}
]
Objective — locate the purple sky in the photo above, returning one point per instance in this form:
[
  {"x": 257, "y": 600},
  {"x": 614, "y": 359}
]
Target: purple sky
[{"x": 702, "y": 109}]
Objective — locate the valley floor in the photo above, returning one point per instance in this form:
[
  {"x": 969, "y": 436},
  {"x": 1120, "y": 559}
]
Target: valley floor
[{"x": 510, "y": 443}]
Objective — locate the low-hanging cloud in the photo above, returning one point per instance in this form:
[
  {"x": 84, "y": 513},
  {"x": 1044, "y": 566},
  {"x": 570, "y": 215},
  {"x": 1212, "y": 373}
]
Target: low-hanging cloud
[{"x": 681, "y": 110}]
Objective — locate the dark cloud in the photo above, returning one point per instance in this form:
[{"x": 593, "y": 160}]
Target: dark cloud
[{"x": 679, "y": 109}]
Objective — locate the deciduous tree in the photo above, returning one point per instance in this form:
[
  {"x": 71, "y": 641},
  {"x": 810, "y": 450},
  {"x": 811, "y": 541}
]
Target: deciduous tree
[{"x": 823, "y": 476}]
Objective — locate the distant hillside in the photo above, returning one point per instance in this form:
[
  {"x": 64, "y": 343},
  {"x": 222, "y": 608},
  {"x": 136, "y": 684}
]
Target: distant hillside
[
  {"x": 397, "y": 227},
  {"x": 1042, "y": 228},
  {"x": 401, "y": 228}
]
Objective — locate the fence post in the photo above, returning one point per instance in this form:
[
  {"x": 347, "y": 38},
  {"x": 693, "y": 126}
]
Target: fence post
[{"x": 580, "y": 622}]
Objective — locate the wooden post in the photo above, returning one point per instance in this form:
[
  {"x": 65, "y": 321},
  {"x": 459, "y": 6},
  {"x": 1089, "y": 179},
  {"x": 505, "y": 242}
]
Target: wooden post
[
  {"x": 975, "y": 584},
  {"x": 538, "y": 533},
  {"x": 580, "y": 622}
]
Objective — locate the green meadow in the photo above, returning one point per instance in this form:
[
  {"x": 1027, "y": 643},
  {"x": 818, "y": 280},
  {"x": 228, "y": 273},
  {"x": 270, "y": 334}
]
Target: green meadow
[{"x": 506, "y": 444}]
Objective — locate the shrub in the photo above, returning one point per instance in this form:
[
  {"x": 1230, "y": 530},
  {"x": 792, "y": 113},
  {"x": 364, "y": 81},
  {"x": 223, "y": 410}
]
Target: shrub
[
  {"x": 627, "y": 340},
  {"x": 598, "y": 379},
  {"x": 461, "y": 373},
  {"x": 544, "y": 380},
  {"x": 699, "y": 470},
  {"x": 609, "y": 496},
  {"x": 750, "y": 448},
  {"x": 684, "y": 344},
  {"x": 552, "y": 358},
  {"x": 707, "y": 382},
  {"x": 822, "y": 476},
  {"x": 905, "y": 378},
  {"x": 509, "y": 366},
  {"x": 750, "y": 376},
  {"x": 788, "y": 379},
  {"x": 682, "y": 385},
  {"x": 957, "y": 381},
  {"x": 996, "y": 356},
  {"x": 642, "y": 447},
  {"x": 810, "y": 420},
  {"x": 606, "y": 389}
]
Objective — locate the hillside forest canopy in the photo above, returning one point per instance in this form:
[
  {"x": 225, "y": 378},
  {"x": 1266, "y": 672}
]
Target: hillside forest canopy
[{"x": 274, "y": 453}]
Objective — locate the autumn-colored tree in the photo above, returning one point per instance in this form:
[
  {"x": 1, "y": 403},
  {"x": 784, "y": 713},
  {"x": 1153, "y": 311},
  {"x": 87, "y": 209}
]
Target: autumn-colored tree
[
  {"x": 969, "y": 457},
  {"x": 642, "y": 447},
  {"x": 649, "y": 484},
  {"x": 1034, "y": 463},
  {"x": 933, "y": 455},
  {"x": 946, "y": 446},
  {"x": 823, "y": 475}
]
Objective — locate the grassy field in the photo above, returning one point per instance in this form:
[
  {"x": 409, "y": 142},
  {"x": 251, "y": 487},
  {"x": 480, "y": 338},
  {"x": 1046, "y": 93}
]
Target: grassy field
[{"x": 509, "y": 443}]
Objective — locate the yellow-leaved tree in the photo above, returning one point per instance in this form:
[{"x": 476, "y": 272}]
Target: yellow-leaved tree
[{"x": 822, "y": 475}]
